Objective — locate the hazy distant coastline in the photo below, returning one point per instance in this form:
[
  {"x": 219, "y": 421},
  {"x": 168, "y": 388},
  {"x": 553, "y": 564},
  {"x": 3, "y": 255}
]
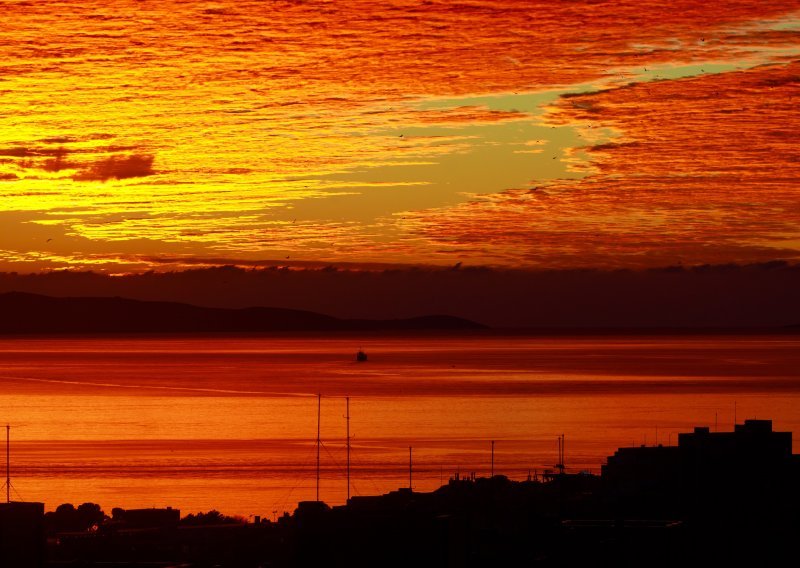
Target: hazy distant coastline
[
  {"x": 709, "y": 297},
  {"x": 36, "y": 314}
]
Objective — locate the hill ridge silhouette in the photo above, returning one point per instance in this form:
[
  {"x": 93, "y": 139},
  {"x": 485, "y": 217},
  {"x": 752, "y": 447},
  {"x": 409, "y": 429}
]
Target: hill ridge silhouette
[{"x": 26, "y": 313}]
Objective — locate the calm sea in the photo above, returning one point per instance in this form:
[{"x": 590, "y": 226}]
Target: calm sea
[{"x": 230, "y": 423}]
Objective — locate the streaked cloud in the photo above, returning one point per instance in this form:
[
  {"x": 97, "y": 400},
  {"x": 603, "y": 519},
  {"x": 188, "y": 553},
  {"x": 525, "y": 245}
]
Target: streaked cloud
[
  {"x": 701, "y": 171},
  {"x": 394, "y": 132}
]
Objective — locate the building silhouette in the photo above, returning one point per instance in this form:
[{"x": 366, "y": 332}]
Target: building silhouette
[
  {"x": 22, "y": 536},
  {"x": 716, "y": 498}
]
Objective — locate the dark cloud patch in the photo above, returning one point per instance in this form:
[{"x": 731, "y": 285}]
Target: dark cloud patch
[
  {"x": 18, "y": 152},
  {"x": 217, "y": 12},
  {"x": 115, "y": 148},
  {"x": 8, "y": 177},
  {"x": 32, "y": 152},
  {"x": 58, "y": 162},
  {"x": 118, "y": 167},
  {"x": 59, "y": 140},
  {"x": 613, "y": 146},
  {"x": 55, "y": 159},
  {"x": 780, "y": 81}
]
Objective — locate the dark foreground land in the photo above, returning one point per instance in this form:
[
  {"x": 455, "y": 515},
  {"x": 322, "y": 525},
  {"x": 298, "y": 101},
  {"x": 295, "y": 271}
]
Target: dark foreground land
[{"x": 715, "y": 499}]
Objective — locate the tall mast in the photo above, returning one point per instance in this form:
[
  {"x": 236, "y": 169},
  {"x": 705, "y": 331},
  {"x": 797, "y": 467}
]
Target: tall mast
[
  {"x": 409, "y": 469},
  {"x": 492, "y": 458},
  {"x": 319, "y": 442},
  {"x": 8, "y": 463},
  {"x": 348, "y": 447},
  {"x": 560, "y": 464}
]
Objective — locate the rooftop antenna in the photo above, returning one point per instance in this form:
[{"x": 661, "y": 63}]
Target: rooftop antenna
[
  {"x": 348, "y": 447},
  {"x": 492, "y": 458},
  {"x": 715, "y": 422},
  {"x": 734, "y": 413},
  {"x": 319, "y": 442}
]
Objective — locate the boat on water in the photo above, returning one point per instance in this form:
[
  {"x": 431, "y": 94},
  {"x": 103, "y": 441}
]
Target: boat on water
[{"x": 361, "y": 356}]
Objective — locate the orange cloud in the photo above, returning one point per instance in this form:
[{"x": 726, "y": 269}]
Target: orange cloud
[{"x": 704, "y": 170}]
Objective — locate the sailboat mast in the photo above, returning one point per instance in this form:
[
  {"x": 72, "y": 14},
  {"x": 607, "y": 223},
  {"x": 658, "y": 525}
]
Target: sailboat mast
[
  {"x": 348, "y": 447},
  {"x": 319, "y": 442}
]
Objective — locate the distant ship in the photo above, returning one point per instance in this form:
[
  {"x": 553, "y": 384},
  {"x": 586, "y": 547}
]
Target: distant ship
[{"x": 361, "y": 356}]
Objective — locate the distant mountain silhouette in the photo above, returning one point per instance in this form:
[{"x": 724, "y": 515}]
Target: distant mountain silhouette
[
  {"x": 24, "y": 313},
  {"x": 756, "y": 296}
]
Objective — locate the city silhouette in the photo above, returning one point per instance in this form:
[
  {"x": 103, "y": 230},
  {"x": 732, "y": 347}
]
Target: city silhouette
[{"x": 716, "y": 498}]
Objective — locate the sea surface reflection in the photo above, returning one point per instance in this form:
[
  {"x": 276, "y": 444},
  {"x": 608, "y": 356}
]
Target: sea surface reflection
[{"x": 230, "y": 422}]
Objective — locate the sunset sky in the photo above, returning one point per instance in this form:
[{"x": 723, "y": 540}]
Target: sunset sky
[{"x": 161, "y": 134}]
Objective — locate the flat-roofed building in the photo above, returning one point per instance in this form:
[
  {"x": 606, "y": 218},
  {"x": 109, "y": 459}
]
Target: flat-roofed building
[{"x": 22, "y": 539}]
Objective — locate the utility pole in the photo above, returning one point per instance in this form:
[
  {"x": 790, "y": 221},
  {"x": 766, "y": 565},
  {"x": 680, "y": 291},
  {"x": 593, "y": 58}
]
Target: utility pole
[
  {"x": 319, "y": 441},
  {"x": 8, "y": 463},
  {"x": 348, "y": 447}
]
